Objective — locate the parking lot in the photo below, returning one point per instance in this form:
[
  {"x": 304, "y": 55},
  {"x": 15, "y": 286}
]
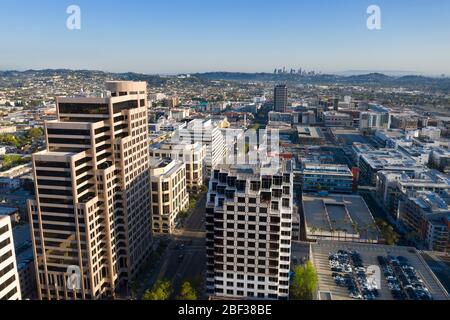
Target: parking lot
[
  {"x": 403, "y": 280},
  {"x": 342, "y": 270}
]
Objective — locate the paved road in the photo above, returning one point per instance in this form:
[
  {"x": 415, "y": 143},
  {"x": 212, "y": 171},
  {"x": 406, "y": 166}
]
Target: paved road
[
  {"x": 300, "y": 252},
  {"x": 196, "y": 222},
  {"x": 185, "y": 256},
  {"x": 440, "y": 267},
  {"x": 185, "y": 262}
]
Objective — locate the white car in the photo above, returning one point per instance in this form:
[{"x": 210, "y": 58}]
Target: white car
[{"x": 357, "y": 296}]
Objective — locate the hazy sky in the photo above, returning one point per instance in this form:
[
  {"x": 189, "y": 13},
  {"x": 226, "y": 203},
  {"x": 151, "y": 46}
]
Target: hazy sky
[{"x": 174, "y": 36}]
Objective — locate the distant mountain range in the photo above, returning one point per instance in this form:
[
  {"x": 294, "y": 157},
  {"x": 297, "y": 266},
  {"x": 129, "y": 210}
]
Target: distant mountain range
[
  {"x": 377, "y": 79},
  {"x": 374, "y": 79}
]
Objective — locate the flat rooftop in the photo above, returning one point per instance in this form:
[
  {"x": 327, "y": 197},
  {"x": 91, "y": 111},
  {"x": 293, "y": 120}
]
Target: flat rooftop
[
  {"x": 4, "y": 211},
  {"x": 389, "y": 158},
  {"x": 339, "y": 216},
  {"x": 369, "y": 254},
  {"x": 310, "y": 132},
  {"x": 319, "y": 168}
]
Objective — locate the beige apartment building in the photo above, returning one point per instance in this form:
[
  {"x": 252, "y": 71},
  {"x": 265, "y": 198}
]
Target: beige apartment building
[
  {"x": 91, "y": 221},
  {"x": 192, "y": 155},
  {"x": 169, "y": 193}
]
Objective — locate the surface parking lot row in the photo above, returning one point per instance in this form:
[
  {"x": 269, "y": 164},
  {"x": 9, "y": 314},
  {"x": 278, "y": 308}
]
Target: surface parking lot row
[{"x": 323, "y": 251}]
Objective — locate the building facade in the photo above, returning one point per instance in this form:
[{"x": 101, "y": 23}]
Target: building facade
[
  {"x": 330, "y": 178},
  {"x": 280, "y": 98},
  {"x": 336, "y": 119},
  {"x": 91, "y": 219},
  {"x": 249, "y": 229},
  {"x": 192, "y": 155},
  {"x": 207, "y": 134},
  {"x": 9, "y": 278},
  {"x": 169, "y": 193},
  {"x": 427, "y": 214}
]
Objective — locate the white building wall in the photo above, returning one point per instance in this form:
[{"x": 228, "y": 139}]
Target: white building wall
[{"x": 9, "y": 278}]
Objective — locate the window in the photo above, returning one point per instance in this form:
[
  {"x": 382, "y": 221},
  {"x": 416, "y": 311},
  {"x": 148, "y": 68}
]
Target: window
[
  {"x": 275, "y": 205},
  {"x": 255, "y": 186},
  {"x": 277, "y": 181},
  {"x": 83, "y": 108},
  {"x": 126, "y": 105},
  {"x": 71, "y": 132}
]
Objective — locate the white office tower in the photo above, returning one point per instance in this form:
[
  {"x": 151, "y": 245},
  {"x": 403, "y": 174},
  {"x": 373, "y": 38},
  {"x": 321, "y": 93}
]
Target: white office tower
[
  {"x": 91, "y": 221},
  {"x": 249, "y": 228},
  {"x": 208, "y": 134},
  {"x": 9, "y": 278}
]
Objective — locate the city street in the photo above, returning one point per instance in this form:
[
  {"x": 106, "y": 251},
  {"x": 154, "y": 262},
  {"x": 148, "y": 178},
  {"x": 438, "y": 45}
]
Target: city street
[{"x": 185, "y": 256}]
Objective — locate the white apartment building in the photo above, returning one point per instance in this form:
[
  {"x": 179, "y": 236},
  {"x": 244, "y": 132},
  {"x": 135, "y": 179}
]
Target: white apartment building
[
  {"x": 91, "y": 217},
  {"x": 9, "y": 278},
  {"x": 377, "y": 117},
  {"x": 208, "y": 134},
  {"x": 169, "y": 193},
  {"x": 248, "y": 232},
  {"x": 192, "y": 155}
]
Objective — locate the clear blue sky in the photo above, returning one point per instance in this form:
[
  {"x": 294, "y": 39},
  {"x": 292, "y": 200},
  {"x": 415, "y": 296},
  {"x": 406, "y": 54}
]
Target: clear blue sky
[{"x": 174, "y": 36}]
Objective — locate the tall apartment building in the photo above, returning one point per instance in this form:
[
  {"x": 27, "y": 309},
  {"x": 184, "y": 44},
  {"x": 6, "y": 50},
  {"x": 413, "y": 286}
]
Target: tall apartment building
[
  {"x": 9, "y": 278},
  {"x": 169, "y": 193},
  {"x": 192, "y": 155},
  {"x": 248, "y": 232},
  {"x": 280, "y": 98},
  {"x": 91, "y": 216},
  {"x": 208, "y": 134}
]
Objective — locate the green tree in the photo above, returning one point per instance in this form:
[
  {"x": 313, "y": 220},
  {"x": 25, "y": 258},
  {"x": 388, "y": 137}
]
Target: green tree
[
  {"x": 187, "y": 292},
  {"x": 388, "y": 233},
  {"x": 35, "y": 133},
  {"x": 10, "y": 161},
  {"x": 160, "y": 291},
  {"x": 9, "y": 140},
  {"x": 304, "y": 284}
]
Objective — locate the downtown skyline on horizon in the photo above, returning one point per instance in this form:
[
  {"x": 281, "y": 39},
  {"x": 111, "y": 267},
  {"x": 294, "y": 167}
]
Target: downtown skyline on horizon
[{"x": 256, "y": 36}]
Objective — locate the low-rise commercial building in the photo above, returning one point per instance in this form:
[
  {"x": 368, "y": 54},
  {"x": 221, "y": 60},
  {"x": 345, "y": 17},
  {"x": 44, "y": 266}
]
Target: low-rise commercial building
[
  {"x": 336, "y": 119},
  {"x": 370, "y": 163},
  {"x": 310, "y": 136},
  {"x": 427, "y": 215},
  {"x": 339, "y": 218},
  {"x": 323, "y": 177},
  {"x": 393, "y": 186},
  {"x": 440, "y": 159}
]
